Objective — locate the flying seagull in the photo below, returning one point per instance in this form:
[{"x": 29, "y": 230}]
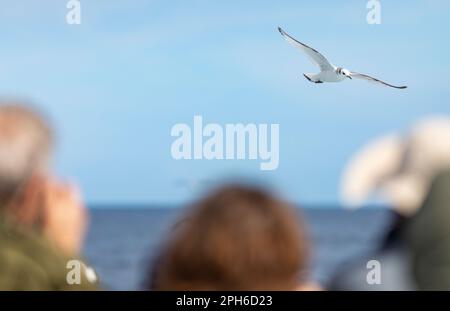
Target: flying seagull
[{"x": 329, "y": 72}]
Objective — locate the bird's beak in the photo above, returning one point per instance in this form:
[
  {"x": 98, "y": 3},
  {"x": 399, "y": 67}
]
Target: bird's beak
[{"x": 350, "y": 77}]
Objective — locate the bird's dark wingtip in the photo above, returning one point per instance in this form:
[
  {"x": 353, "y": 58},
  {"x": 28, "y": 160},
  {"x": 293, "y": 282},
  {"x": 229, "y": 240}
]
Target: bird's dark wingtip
[
  {"x": 399, "y": 87},
  {"x": 308, "y": 78},
  {"x": 281, "y": 30}
]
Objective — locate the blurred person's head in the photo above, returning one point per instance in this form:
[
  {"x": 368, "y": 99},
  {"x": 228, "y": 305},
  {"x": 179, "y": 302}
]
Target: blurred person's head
[
  {"x": 42, "y": 220},
  {"x": 236, "y": 238},
  {"x": 400, "y": 167},
  {"x": 25, "y": 147},
  {"x": 30, "y": 197}
]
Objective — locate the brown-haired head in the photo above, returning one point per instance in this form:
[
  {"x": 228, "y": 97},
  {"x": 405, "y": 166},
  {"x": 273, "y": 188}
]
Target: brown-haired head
[{"x": 237, "y": 238}]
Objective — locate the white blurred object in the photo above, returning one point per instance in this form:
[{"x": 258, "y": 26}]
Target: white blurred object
[
  {"x": 399, "y": 167},
  {"x": 328, "y": 71}
]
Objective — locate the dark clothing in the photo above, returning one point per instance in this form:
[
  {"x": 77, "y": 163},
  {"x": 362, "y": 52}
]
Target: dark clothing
[
  {"x": 394, "y": 266},
  {"x": 30, "y": 262},
  {"x": 416, "y": 256},
  {"x": 428, "y": 237}
]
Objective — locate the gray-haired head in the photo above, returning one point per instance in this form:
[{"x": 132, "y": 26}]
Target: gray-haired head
[{"x": 25, "y": 146}]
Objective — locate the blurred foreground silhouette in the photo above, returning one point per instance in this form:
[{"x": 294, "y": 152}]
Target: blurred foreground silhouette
[
  {"x": 236, "y": 238},
  {"x": 412, "y": 172},
  {"x": 42, "y": 220}
]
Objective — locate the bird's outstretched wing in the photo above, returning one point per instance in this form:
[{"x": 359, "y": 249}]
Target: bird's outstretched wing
[
  {"x": 313, "y": 54},
  {"x": 374, "y": 80}
]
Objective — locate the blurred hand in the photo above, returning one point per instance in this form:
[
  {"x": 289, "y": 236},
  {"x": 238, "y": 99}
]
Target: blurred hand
[
  {"x": 65, "y": 217},
  {"x": 55, "y": 209}
]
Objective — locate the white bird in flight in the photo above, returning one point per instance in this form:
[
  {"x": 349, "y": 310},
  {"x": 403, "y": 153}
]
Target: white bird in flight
[{"x": 329, "y": 72}]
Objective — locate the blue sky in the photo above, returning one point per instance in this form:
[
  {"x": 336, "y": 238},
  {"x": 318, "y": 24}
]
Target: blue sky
[{"x": 116, "y": 84}]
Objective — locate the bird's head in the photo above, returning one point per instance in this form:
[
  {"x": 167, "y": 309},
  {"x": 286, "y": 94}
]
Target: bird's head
[{"x": 346, "y": 73}]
